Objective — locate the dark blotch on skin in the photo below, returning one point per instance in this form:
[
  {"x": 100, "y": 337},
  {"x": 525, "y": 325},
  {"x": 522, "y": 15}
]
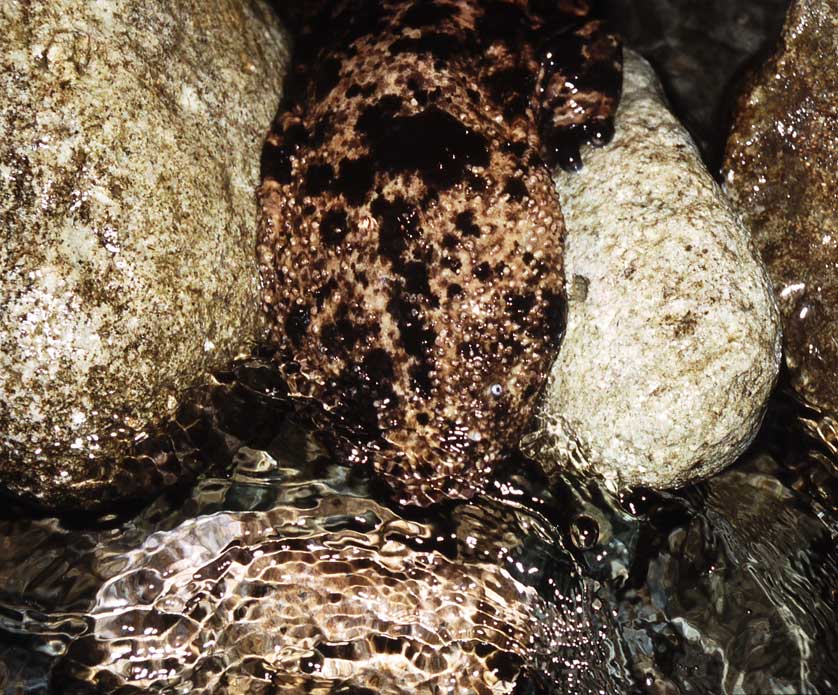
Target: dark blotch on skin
[
  {"x": 297, "y": 323},
  {"x": 342, "y": 335},
  {"x": 441, "y": 46},
  {"x": 556, "y": 315},
  {"x": 328, "y": 75},
  {"x": 405, "y": 171},
  {"x": 420, "y": 376},
  {"x": 432, "y": 143},
  {"x": 416, "y": 274},
  {"x": 465, "y": 223},
  {"x": 318, "y": 179},
  {"x": 483, "y": 271},
  {"x": 452, "y": 263},
  {"x": 417, "y": 339},
  {"x": 519, "y": 306},
  {"x": 476, "y": 182},
  {"x": 516, "y": 189},
  {"x": 334, "y": 227},
  {"x": 324, "y": 292},
  {"x": 296, "y": 136},
  {"x": 415, "y": 85},
  {"x": 356, "y": 179},
  {"x": 398, "y": 224},
  {"x": 454, "y": 290},
  {"x": 275, "y": 163},
  {"x": 519, "y": 149},
  {"x": 378, "y": 365},
  {"x": 426, "y": 14},
  {"x": 510, "y": 88},
  {"x": 450, "y": 242},
  {"x": 502, "y": 22}
]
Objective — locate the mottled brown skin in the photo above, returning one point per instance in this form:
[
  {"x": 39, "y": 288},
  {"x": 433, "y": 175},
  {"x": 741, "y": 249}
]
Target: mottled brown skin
[{"x": 411, "y": 237}]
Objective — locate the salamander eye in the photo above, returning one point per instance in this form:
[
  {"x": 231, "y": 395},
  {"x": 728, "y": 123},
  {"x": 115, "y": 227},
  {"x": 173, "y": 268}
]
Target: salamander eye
[{"x": 496, "y": 390}]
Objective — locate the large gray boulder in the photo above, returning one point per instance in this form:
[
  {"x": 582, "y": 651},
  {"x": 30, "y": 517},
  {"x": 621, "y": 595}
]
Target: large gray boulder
[
  {"x": 673, "y": 340},
  {"x": 130, "y": 135}
]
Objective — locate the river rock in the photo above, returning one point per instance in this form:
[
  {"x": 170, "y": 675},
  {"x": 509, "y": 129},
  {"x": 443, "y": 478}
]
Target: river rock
[
  {"x": 673, "y": 341},
  {"x": 780, "y": 167},
  {"x": 130, "y": 135}
]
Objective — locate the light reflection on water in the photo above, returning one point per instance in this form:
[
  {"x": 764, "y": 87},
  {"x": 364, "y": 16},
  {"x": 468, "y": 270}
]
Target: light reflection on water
[
  {"x": 283, "y": 568},
  {"x": 296, "y": 574}
]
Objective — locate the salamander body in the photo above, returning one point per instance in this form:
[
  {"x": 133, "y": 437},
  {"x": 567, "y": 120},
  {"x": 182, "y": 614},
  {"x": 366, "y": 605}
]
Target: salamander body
[{"x": 411, "y": 236}]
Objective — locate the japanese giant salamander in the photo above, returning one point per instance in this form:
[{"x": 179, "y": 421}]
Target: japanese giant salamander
[{"x": 411, "y": 238}]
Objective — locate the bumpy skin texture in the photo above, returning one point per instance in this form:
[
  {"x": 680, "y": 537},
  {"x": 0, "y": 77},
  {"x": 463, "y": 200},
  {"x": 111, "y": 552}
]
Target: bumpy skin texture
[{"x": 411, "y": 237}]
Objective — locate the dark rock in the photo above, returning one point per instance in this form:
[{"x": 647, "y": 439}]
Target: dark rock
[{"x": 780, "y": 167}]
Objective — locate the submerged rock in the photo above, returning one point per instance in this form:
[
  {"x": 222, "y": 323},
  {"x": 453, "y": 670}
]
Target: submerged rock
[
  {"x": 780, "y": 167},
  {"x": 672, "y": 345},
  {"x": 734, "y": 586},
  {"x": 129, "y": 148}
]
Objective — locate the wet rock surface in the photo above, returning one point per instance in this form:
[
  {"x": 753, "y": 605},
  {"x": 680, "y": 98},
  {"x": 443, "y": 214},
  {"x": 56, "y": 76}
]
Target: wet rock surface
[
  {"x": 129, "y": 142},
  {"x": 780, "y": 168},
  {"x": 672, "y": 345}
]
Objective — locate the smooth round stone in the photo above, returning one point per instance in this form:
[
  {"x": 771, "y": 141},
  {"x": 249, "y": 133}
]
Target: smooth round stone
[
  {"x": 130, "y": 135},
  {"x": 673, "y": 341}
]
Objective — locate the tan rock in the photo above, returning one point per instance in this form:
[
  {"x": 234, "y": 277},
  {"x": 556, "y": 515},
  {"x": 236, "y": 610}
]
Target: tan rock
[
  {"x": 780, "y": 167},
  {"x": 130, "y": 135},
  {"x": 672, "y": 345}
]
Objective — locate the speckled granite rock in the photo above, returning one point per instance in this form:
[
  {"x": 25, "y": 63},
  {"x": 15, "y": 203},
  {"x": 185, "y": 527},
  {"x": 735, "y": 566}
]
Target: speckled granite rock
[
  {"x": 130, "y": 135},
  {"x": 781, "y": 168},
  {"x": 673, "y": 343}
]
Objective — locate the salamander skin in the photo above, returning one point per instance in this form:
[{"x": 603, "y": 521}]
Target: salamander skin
[{"x": 411, "y": 238}]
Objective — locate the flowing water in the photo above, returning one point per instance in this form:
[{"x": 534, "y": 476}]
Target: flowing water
[{"x": 281, "y": 572}]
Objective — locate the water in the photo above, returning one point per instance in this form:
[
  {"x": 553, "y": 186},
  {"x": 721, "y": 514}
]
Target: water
[
  {"x": 282, "y": 568},
  {"x": 732, "y": 585},
  {"x": 281, "y": 571}
]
